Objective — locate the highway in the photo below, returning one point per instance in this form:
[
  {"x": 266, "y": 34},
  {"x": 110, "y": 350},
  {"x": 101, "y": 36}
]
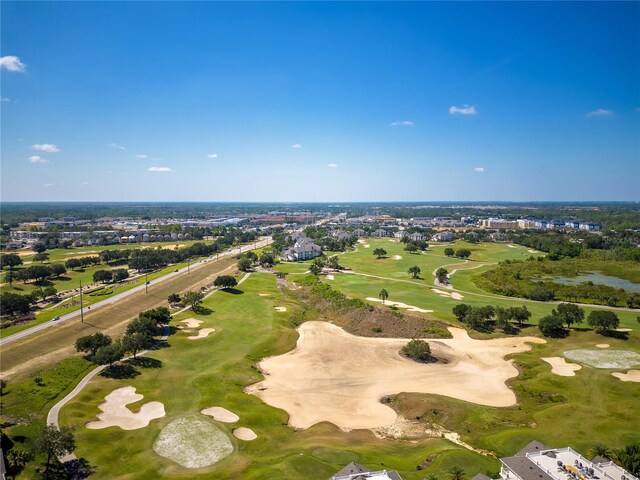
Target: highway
[{"x": 116, "y": 298}]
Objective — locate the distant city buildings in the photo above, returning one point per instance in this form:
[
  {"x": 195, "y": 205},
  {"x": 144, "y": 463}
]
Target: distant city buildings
[{"x": 541, "y": 224}]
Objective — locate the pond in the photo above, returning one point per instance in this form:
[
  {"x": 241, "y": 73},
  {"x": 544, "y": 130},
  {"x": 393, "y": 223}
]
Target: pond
[{"x": 599, "y": 278}]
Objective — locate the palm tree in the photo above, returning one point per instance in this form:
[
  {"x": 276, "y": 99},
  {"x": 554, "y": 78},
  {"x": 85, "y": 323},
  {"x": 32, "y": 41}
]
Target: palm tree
[
  {"x": 383, "y": 295},
  {"x": 431, "y": 477},
  {"x": 455, "y": 473},
  {"x": 600, "y": 450}
]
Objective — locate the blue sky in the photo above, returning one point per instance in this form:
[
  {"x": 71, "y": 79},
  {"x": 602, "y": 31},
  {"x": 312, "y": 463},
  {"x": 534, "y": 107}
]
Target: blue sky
[{"x": 320, "y": 101}]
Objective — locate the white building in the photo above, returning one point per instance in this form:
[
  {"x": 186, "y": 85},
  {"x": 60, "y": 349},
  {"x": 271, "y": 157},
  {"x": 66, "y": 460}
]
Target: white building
[
  {"x": 379, "y": 233},
  {"x": 304, "y": 249},
  {"x": 443, "y": 237}
]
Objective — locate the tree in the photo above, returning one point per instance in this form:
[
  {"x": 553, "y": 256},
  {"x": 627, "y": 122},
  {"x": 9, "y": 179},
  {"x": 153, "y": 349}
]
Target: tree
[
  {"x": 103, "y": 276},
  {"x": 40, "y": 257},
  {"x": 58, "y": 269},
  {"x": 266, "y": 260},
  {"x": 551, "y": 325},
  {"x": 629, "y": 458},
  {"x": 39, "y": 247},
  {"x": 10, "y": 260},
  {"x": 315, "y": 269},
  {"x": 13, "y": 303},
  {"x": 417, "y": 350},
  {"x": 411, "y": 247},
  {"x": 91, "y": 343},
  {"x": 603, "y": 320},
  {"x": 503, "y": 315},
  {"x": 144, "y": 325},
  {"x": 463, "y": 253},
  {"x": 225, "y": 281},
  {"x": 109, "y": 354},
  {"x": 160, "y": 315},
  {"x": 244, "y": 264},
  {"x": 455, "y": 472},
  {"x": 173, "y": 298},
  {"x": 38, "y": 293},
  {"x": 520, "y": 314},
  {"x": 17, "y": 459},
  {"x": 53, "y": 442},
  {"x": 542, "y": 294},
  {"x": 9, "y": 277},
  {"x": 600, "y": 450},
  {"x": 442, "y": 275},
  {"x": 49, "y": 291},
  {"x": 570, "y": 313},
  {"x": 194, "y": 299},
  {"x": 383, "y": 295},
  {"x": 136, "y": 342},
  {"x": 449, "y": 252},
  {"x": 461, "y": 310},
  {"x": 332, "y": 262},
  {"x": 414, "y": 271},
  {"x": 73, "y": 264},
  {"x": 379, "y": 252},
  {"x": 119, "y": 274}
]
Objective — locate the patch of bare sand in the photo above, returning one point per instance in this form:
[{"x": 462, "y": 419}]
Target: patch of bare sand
[
  {"x": 531, "y": 250},
  {"x": 245, "y": 434},
  {"x": 220, "y": 414},
  {"x": 397, "y": 257},
  {"x": 512, "y": 246},
  {"x": 202, "y": 333},
  {"x": 366, "y": 245},
  {"x": 410, "y": 308},
  {"x": 264, "y": 294},
  {"x": 340, "y": 378},
  {"x": 330, "y": 277},
  {"x": 192, "y": 322},
  {"x": 561, "y": 367},
  {"x": 280, "y": 309},
  {"x": 442, "y": 293},
  {"x": 116, "y": 414},
  {"x": 602, "y": 345},
  {"x": 630, "y": 376},
  {"x": 624, "y": 329}
]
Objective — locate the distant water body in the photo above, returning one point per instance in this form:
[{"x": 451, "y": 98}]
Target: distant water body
[{"x": 599, "y": 278}]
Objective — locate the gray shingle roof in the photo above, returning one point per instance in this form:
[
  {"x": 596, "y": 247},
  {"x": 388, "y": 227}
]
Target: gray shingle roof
[
  {"x": 525, "y": 468},
  {"x": 532, "y": 447},
  {"x": 350, "y": 469}
]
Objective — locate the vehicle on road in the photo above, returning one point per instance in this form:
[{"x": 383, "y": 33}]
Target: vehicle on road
[{"x": 55, "y": 318}]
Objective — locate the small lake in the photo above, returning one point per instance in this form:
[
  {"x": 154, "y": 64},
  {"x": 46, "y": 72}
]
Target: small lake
[{"x": 598, "y": 278}]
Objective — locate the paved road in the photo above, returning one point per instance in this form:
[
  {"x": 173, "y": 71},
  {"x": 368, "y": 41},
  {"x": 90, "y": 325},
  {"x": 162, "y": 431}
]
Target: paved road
[{"x": 116, "y": 298}]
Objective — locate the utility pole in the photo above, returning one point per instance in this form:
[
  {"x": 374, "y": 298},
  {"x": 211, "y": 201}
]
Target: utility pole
[
  {"x": 81, "y": 309},
  {"x": 146, "y": 278},
  {"x": 188, "y": 265}
]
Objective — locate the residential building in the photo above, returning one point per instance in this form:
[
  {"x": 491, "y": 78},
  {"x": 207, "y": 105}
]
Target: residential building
[
  {"x": 379, "y": 233},
  {"x": 355, "y": 471},
  {"x": 303, "y": 249},
  {"x": 418, "y": 237},
  {"x": 358, "y": 232},
  {"x": 593, "y": 227},
  {"x": 443, "y": 237},
  {"x": 401, "y": 234}
]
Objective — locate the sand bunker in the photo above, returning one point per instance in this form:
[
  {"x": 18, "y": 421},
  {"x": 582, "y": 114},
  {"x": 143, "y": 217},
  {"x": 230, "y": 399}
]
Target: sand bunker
[
  {"x": 602, "y": 345},
  {"x": 280, "y": 309},
  {"x": 559, "y": 366},
  {"x": 116, "y": 414},
  {"x": 330, "y": 277},
  {"x": 220, "y": 414},
  {"x": 619, "y": 359},
  {"x": 630, "y": 376},
  {"x": 410, "y": 308},
  {"x": 531, "y": 250},
  {"x": 202, "y": 333},
  {"x": 193, "y": 442},
  {"x": 245, "y": 434},
  {"x": 264, "y": 294},
  {"x": 334, "y": 376},
  {"x": 624, "y": 330},
  {"x": 366, "y": 245},
  {"x": 192, "y": 322},
  {"x": 397, "y": 257},
  {"x": 442, "y": 293},
  {"x": 512, "y": 246}
]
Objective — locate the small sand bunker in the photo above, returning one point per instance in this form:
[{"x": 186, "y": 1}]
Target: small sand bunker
[
  {"x": 264, "y": 294},
  {"x": 618, "y": 359},
  {"x": 559, "y": 366},
  {"x": 602, "y": 345},
  {"x": 337, "y": 377},
  {"x": 397, "y": 257},
  {"x": 442, "y": 293},
  {"x": 245, "y": 434},
  {"x": 193, "y": 442},
  {"x": 192, "y": 322},
  {"x": 330, "y": 277},
  {"x": 220, "y": 414},
  {"x": 410, "y": 308},
  {"x": 116, "y": 414},
  {"x": 630, "y": 376},
  {"x": 202, "y": 333},
  {"x": 366, "y": 245},
  {"x": 624, "y": 330},
  {"x": 280, "y": 309},
  {"x": 512, "y": 246},
  {"x": 531, "y": 250},
  {"x": 361, "y": 241}
]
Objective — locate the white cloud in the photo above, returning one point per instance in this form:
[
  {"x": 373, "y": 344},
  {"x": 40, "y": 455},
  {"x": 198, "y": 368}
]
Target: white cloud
[
  {"x": 212, "y": 155},
  {"x": 47, "y": 185},
  {"x": 85, "y": 183},
  {"x": 5, "y": 99},
  {"x": 296, "y": 145},
  {"x": 46, "y": 147},
  {"x": 479, "y": 169},
  {"x": 116, "y": 146},
  {"x": 159, "y": 169},
  {"x": 402, "y": 123},
  {"x": 463, "y": 110},
  {"x": 332, "y": 165},
  {"x": 13, "y": 64},
  {"x": 141, "y": 157},
  {"x": 37, "y": 159},
  {"x": 600, "y": 112}
]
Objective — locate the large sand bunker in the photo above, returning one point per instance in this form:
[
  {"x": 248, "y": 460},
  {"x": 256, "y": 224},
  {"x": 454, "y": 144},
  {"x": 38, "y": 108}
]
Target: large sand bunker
[
  {"x": 245, "y": 434},
  {"x": 202, "y": 333},
  {"x": 630, "y": 376},
  {"x": 442, "y": 293},
  {"x": 334, "y": 376},
  {"x": 410, "y": 308},
  {"x": 221, "y": 414},
  {"x": 193, "y": 442},
  {"x": 619, "y": 359},
  {"x": 559, "y": 366},
  {"x": 116, "y": 414}
]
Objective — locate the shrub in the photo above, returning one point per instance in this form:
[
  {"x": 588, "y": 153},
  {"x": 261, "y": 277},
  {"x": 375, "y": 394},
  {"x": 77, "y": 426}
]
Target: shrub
[
  {"x": 376, "y": 329},
  {"x": 551, "y": 326},
  {"x": 417, "y": 350}
]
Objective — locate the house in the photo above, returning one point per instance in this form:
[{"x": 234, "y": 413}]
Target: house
[
  {"x": 358, "y": 232},
  {"x": 379, "y": 233},
  {"x": 592, "y": 227},
  {"x": 417, "y": 237},
  {"x": 536, "y": 461},
  {"x": 401, "y": 234},
  {"x": 355, "y": 471},
  {"x": 443, "y": 237},
  {"x": 304, "y": 249}
]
